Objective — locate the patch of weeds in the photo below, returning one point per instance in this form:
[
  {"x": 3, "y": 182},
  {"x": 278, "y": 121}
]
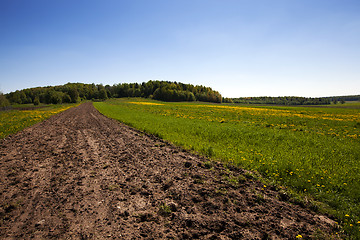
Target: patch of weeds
[
  {"x": 225, "y": 173},
  {"x": 314, "y": 206},
  {"x": 9, "y": 207},
  {"x": 220, "y": 192},
  {"x": 208, "y": 151},
  {"x": 113, "y": 187},
  {"x": 252, "y": 175},
  {"x": 298, "y": 200},
  {"x": 12, "y": 173},
  {"x": 158, "y": 135},
  {"x": 208, "y": 164},
  {"x": 259, "y": 198},
  {"x": 320, "y": 235},
  {"x": 233, "y": 181},
  {"x": 198, "y": 179},
  {"x": 241, "y": 178},
  {"x": 164, "y": 210},
  {"x": 283, "y": 196}
]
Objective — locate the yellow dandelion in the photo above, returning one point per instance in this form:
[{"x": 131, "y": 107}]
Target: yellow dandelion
[{"x": 299, "y": 236}]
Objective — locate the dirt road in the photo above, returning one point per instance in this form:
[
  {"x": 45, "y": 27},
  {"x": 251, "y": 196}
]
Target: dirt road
[{"x": 80, "y": 175}]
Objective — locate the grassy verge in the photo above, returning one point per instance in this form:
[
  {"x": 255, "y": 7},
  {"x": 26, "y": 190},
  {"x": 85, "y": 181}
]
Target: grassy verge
[
  {"x": 313, "y": 152},
  {"x": 12, "y": 121}
]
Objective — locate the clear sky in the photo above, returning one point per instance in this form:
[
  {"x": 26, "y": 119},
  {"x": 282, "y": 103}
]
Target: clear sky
[{"x": 240, "y": 48}]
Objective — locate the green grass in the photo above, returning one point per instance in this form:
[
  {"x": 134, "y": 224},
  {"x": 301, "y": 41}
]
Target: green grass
[
  {"x": 349, "y": 104},
  {"x": 12, "y": 121},
  {"x": 313, "y": 152}
]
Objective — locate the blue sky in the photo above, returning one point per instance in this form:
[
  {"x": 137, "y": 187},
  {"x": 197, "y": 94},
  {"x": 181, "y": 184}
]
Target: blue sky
[{"x": 241, "y": 48}]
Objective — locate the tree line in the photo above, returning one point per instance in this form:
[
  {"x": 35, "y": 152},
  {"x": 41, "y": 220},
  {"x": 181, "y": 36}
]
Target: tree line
[
  {"x": 293, "y": 100},
  {"x": 158, "y": 90},
  {"x": 76, "y": 92},
  {"x": 282, "y": 100},
  {"x": 343, "y": 99}
]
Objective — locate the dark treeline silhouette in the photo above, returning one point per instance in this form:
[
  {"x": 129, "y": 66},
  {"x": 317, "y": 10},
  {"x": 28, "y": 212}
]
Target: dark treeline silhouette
[
  {"x": 283, "y": 100},
  {"x": 293, "y": 100},
  {"x": 75, "y": 92},
  {"x": 343, "y": 99}
]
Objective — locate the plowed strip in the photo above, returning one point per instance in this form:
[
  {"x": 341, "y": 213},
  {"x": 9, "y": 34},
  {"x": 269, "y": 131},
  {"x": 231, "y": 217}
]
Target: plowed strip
[{"x": 80, "y": 175}]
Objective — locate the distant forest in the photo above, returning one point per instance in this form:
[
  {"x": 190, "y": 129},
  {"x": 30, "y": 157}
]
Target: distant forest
[
  {"x": 158, "y": 90},
  {"x": 294, "y": 100},
  {"x": 76, "y": 92}
]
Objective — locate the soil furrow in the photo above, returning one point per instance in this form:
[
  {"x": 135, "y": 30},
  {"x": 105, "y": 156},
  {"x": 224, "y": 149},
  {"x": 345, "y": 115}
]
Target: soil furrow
[{"x": 80, "y": 175}]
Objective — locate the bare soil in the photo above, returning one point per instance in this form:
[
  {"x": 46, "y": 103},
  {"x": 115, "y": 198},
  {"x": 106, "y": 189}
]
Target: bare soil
[{"x": 81, "y": 175}]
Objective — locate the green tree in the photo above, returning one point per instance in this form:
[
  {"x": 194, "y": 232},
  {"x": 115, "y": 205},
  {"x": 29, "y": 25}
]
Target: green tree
[
  {"x": 4, "y": 102},
  {"x": 66, "y": 98},
  {"x": 56, "y": 97},
  {"x": 14, "y": 97},
  {"x": 103, "y": 94},
  {"x": 36, "y": 101},
  {"x": 74, "y": 95}
]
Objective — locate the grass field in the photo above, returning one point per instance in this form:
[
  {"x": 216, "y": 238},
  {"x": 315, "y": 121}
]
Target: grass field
[
  {"x": 312, "y": 152},
  {"x": 12, "y": 121}
]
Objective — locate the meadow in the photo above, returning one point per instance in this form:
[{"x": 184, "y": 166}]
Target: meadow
[
  {"x": 12, "y": 121},
  {"x": 312, "y": 153}
]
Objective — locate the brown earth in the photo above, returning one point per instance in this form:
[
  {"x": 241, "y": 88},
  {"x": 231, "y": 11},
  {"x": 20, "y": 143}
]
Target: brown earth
[{"x": 80, "y": 175}]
